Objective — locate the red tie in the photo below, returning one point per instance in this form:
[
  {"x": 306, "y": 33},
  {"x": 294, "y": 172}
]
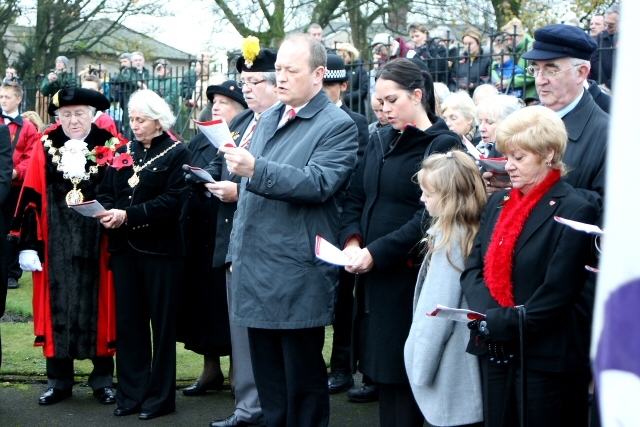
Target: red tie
[{"x": 247, "y": 140}]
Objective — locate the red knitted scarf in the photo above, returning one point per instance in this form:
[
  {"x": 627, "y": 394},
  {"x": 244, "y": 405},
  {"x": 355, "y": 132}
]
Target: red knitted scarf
[{"x": 498, "y": 262}]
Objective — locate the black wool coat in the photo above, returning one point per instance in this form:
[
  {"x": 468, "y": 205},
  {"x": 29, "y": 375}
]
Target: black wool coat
[
  {"x": 473, "y": 73},
  {"x": 548, "y": 276},
  {"x": 154, "y": 206},
  {"x": 383, "y": 207}
]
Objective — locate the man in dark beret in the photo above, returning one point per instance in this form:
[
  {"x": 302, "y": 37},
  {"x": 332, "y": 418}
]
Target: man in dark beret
[
  {"x": 258, "y": 81},
  {"x": 560, "y": 63},
  {"x": 73, "y": 312}
]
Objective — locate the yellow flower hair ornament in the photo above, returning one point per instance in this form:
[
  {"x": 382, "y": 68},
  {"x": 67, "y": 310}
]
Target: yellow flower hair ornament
[{"x": 250, "y": 50}]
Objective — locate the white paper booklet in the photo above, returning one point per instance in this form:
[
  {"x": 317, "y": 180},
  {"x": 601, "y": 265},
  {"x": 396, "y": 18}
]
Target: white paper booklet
[
  {"x": 202, "y": 175},
  {"x": 217, "y": 132},
  {"x": 89, "y": 208},
  {"x": 455, "y": 314},
  {"x": 580, "y": 226},
  {"x": 329, "y": 253}
]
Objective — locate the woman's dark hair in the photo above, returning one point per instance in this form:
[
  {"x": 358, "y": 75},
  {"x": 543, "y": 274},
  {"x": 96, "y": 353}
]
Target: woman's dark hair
[{"x": 410, "y": 77}]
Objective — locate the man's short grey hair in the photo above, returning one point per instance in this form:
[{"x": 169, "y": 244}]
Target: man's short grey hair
[
  {"x": 149, "y": 104},
  {"x": 615, "y": 8},
  {"x": 137, "y": 54},
  {"x": 443, "y": 32},
  {"x": 270, "y": 77},
  {"x": 318, "y": 53},
  {"x": 577, "y": 61}
]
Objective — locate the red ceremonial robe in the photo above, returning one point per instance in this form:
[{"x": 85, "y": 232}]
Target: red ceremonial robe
[{"x": 34, "y": 206}]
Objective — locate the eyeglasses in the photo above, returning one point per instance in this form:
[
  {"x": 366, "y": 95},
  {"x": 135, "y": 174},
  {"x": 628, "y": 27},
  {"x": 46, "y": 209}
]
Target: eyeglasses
[
  {"x": 547, "y": 74},
  {"x": 77, "y": 114},
  {"x": 250, "y": 85}
]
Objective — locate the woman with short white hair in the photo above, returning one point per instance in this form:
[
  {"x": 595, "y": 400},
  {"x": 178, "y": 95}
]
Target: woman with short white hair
[
  {"x": 490, "y": 113},
  {"x": 143, "y": 194},
  {"x": 458, "y": 111}
]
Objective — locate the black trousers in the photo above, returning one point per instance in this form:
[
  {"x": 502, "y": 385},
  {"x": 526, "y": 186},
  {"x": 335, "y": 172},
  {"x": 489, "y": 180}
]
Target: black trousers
[
  {"x": 291, "y": 376},
  {"x": 398, "y": 407},
  {"x": 146, "y": 292},
  {"x": 60, "y": 373},
  {"x": 546, "y": 404}
]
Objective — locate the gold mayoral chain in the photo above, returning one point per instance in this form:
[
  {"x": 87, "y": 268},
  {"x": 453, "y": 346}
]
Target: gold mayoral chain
[
  {"x": 74, "y": 196},
  {"x": 135, "y": 179}
]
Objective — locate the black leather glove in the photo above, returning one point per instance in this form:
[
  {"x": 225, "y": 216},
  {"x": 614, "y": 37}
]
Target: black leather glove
[{"x": 480, "y": 326}]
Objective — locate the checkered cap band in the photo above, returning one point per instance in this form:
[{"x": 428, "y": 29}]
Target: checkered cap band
[{"x": 335, "y": 74}]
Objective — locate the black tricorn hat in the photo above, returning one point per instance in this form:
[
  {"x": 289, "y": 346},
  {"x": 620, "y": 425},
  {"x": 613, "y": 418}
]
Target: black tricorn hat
[
  {"x": 230, "y": 89},
  {"x": 265, "y": 61},
  {"x": 78, "y": 96}
]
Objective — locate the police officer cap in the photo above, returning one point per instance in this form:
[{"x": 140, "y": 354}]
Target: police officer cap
[
  {"x": 78, "y": 96},
  {"x": 559, "y": 41},
  {"x": 336, "y": 70},
  {"x": 265, "y": 61}
]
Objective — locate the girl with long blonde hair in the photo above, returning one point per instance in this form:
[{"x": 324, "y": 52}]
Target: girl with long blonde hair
[{"x": 440, "y": 372}]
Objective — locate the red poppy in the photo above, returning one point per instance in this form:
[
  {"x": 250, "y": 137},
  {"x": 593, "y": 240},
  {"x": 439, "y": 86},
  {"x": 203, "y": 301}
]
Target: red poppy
[
  {"x": 124, "y": 160},
  {"x": 122, "y": 141},
  {"x": 104, "y": 155}
]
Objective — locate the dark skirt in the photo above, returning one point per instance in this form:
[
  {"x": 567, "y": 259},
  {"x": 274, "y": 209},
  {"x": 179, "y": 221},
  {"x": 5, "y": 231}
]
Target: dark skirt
[{"x": 203, "y": 321}]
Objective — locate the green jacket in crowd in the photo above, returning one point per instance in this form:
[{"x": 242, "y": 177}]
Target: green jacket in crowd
[
  {"x": 168, "y": 88},
  {"x": 65, "y": 79},
  {"x": 520, "y": 80}
]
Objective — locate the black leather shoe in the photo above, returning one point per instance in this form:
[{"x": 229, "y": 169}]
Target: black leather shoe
[
  {"x": 197, "y": 389},
  {"x": 339, "y": 382},
  {"x": 231, "y": 421},
  {"x": 123, "y": 411},
  {"x": 365, "y": 393},
  {"x": 53, "y": 395},
  {"x": 12, "y": 283},
  {"x": 149, "y": 415},
  {"x": 106, "y": 395}
]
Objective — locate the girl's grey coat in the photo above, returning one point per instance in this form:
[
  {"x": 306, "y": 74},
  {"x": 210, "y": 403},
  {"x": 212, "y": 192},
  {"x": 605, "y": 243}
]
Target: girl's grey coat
[{"x": 444, "y": 378}]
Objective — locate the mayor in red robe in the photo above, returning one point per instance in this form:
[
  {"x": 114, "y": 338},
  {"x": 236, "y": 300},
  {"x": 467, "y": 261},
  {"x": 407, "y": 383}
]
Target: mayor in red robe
[{"x": 73, "y": 298}]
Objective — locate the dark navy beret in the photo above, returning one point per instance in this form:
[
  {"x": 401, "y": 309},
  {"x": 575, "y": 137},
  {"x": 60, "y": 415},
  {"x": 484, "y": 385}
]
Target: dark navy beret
[
  {"x": 78, "y": 96},
  {"x": 559, "y": 41}
]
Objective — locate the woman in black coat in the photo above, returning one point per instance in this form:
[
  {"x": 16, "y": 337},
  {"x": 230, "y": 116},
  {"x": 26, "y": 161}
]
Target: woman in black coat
[
  {"x": 474, "y": 68},
  {"x": 522, "y": 257},
  {"x": 203, "y": 324},
  {"x": 144, "y": 194},
  {"x": 381, "y": 227}
]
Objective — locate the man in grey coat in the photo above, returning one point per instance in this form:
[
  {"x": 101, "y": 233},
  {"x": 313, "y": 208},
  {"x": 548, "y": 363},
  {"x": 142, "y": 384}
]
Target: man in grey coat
[{"x": 294, "y": 178}]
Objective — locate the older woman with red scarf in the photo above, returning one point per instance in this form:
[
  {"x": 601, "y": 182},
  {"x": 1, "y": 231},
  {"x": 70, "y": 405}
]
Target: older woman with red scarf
[{"x": 525, "y": 273}]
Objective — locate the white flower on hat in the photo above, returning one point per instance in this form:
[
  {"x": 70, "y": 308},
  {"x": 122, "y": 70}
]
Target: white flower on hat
[{"x": 73, "y": 159}]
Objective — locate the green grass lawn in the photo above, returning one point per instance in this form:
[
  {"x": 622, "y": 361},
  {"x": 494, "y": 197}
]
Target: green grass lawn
[{"x": 20, "y": 357}]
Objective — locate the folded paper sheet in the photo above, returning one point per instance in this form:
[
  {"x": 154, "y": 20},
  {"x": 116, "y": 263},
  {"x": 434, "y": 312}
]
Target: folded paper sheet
[{"x": 329, "y": 253}]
